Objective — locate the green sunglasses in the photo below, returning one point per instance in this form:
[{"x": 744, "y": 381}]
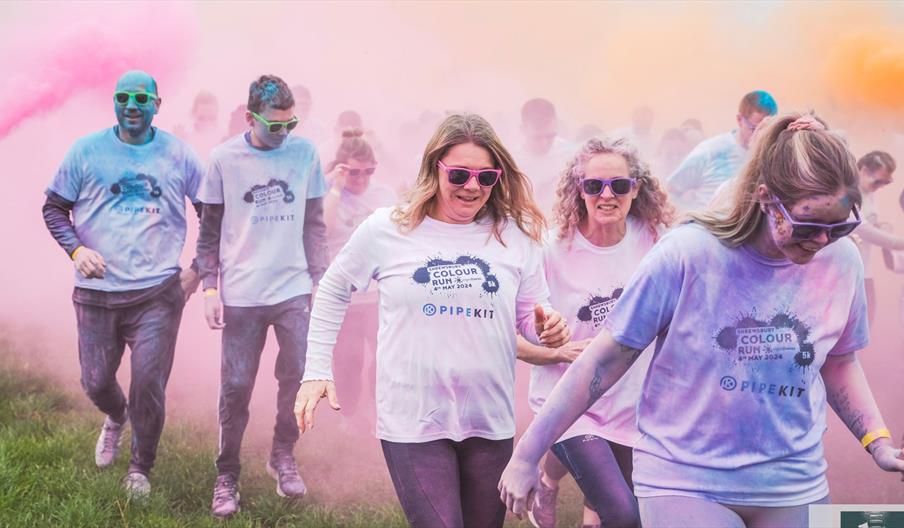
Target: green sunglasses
[
  {"x": 141, "y": 98},
  {"x": 276, "y": 126}
]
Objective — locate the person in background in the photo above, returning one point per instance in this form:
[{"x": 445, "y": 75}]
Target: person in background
[{"x": 718, "y": 159}]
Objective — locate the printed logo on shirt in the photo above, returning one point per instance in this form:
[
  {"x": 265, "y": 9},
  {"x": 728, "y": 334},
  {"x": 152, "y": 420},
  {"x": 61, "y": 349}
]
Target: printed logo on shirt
[
  {"x": 465, "y": 272},
  {"x": 598, "y": 307},
  {"x": 135, "y": 191},
  {"x": 452, "y": 310},
  {"x": 782, "y": 338},
  {"x": 275, "y": 191}
]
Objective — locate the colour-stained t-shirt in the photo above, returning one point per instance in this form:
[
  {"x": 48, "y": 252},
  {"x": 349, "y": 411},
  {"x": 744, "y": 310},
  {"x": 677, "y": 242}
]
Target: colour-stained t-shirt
[
  {"x": 129, "y": 205},
  {"x": 733, "y": 408},
  {"x": 264, "y": 194}
]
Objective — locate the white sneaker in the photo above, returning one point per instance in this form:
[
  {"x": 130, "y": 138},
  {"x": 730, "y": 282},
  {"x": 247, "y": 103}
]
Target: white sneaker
[
  {"x": 137, "y": 485},
  {"x": 107, "y": 446}
]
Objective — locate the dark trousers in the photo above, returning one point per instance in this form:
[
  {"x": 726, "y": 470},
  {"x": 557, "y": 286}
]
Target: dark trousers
[
  {"x": 447, "y": 484},
  {"x": 243, "y": 342},
  {"x": 602, "y": 470},
  {"x": 149, "y": 329}
]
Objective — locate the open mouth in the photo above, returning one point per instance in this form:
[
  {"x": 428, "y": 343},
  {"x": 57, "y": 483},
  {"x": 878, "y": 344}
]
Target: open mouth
[
  {"x": 468, "y": 199},
  {"x": 607, "y": 208}
]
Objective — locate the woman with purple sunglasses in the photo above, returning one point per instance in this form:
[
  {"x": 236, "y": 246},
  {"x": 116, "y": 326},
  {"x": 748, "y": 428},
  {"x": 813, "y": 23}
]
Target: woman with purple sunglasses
[
  {"x": 757, "y": 315},
  {"x": 459, "y": 269},
  {"x": 608, "y": 214}
]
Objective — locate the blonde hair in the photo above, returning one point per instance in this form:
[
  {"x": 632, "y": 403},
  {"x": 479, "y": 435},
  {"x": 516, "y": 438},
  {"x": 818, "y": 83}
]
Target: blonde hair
[
  {"x": 650, "y": 206},
  {"x": 510, "y": 198},
  {"x": 793, "y": 165}
]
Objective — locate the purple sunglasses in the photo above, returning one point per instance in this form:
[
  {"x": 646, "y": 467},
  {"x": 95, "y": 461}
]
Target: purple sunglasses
[
  {"x": 811, "y": 230},
  {"x": 459, "y": 176},
  {"x": 619, "y": 186}
]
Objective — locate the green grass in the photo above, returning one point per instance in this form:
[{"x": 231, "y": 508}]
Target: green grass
[{"x": 48, "y": 477}]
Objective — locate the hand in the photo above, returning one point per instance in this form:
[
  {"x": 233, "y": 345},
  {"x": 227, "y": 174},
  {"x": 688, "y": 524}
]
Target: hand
[
  {"x": 887, "y": 456},
  {"x": 189, "y": 279},
  {"x": 89, "y": 263},
  {"x": 308, "y": 397},
  {"x": 337, "y": 176},
  {"x": 519, "y": 483},
  {"x": 213, "y": 312},
  {"x": 551, "y": 328},
  {"x": 571, "y": 350}
]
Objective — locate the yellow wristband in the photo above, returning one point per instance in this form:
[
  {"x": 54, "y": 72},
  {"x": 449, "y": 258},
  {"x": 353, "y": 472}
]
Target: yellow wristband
[
  {"x": 210, "y": 292},
  {"x": 75, "y": 252},
  {"x": 872, "y": 436}
]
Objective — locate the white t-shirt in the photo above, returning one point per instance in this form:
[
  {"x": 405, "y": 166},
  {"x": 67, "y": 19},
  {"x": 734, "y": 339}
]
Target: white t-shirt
[
  {"x": 712, "y": 162},
  {"x": 544, "y": 171},
  {"x": 585, "y": 281},
  {"x": 869, "y": 212},
  {"x": 264, "y": 193},
  {"x": 733, "y": 409},
  {"x": 451, "y": 298}
]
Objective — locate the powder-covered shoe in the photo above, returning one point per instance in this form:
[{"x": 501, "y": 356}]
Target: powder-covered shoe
[
  {"x": 137, "y": 485},
  {"x": 225, "y": 496},
  {"x": 543, "y": 512},
  {"x": 107, "y": 447},
  {"x": 288, "y": 481}
]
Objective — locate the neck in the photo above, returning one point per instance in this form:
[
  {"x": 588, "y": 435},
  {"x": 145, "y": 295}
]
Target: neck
[
  {"x": 762, "y": 242},
  {"x": 603, "y": 235},
  {"x": 256, "y": 142},
  {"x": 145, "y": 137}
]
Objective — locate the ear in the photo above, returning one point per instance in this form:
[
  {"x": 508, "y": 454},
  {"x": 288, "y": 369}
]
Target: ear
[
  {"x": 763, "y": 195},
  {"x": 157, "y": 102},
  {"x": 636, "y": 188},
  {"x": 249, "y": 118}
]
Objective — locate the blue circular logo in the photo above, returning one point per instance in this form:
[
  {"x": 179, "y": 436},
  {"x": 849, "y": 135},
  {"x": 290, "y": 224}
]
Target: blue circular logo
[
  {"x": 728, "y": 383},
  {"x": 429, "y": 309}
]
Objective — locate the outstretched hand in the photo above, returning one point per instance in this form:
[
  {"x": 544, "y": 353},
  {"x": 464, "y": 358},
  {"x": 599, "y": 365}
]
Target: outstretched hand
[{"x": 309, "y": 395}]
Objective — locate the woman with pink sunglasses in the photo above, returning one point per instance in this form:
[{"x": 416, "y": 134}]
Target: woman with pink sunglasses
[
  {"x": 459, "y": 269},
  {"x": 757, "y": 315},
  {"x": 609, "y": 211}
]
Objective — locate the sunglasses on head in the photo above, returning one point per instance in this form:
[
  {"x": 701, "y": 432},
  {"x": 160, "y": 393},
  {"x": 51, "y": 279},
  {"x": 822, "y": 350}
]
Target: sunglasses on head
[
  {"x": 596, "y": 186},
  {"x": 811, "y": 230},
  {"x": 459, "y": 176},
  {"x": 141, "y": 98},
  {"x": 276, "y": 126},
  {"x": 360, "y": 172}
]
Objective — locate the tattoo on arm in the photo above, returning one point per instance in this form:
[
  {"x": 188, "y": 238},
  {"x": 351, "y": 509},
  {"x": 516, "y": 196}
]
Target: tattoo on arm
[
  {"x": 853, "y": 418},
  {"x": 596, "y": 390}
]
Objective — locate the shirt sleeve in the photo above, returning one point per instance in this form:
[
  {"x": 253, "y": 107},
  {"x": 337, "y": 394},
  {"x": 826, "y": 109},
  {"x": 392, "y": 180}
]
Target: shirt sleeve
[
  {"x": 210, "y": 190},
  {"x": 687, "y": 177},
  {"x": 532, "y": 290},
  {"x": 356, "y": 260},
  {"x": 330, "y": 305},
  {"x": 317, "y": 187},
  {"x": 648, "y": 302},
  {"x": 855, "y": 335},
  {"x": 194, "y": 174},
  {"x": 67, "y": 182}
]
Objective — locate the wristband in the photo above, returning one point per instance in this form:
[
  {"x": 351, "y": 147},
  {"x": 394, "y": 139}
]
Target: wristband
[
  {"x": 75, "y": 252},
  {"x": 210, "y": 292},
  {"x": 872, "y": 436}
]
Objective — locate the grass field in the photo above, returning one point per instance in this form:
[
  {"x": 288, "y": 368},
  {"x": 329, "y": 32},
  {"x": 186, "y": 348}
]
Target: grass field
[{"x": 48, "y": 477}]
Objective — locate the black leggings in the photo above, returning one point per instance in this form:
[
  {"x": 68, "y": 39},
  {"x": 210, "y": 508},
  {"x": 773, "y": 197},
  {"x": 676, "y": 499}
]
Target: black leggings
[
  {"x": 602, "y": 470},
  {"x": 448, "y": 484}
]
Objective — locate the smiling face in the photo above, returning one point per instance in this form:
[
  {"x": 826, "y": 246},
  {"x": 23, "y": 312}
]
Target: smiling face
[
  {"x": 460, "y": 204},
  {"x": 822, "y": 209},
  {"x": 134, "y": 118},
  {"x": 608, "y": 208}
]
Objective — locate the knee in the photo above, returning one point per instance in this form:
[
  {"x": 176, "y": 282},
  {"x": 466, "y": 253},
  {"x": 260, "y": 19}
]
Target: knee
[
  {"x": 623, "y": 514},
  {"x": 98, "y": 385}
]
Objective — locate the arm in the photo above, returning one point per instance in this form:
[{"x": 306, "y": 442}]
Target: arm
[
  {"x": 871, "y": 234},
  {"x": 686, "y": 178},
  {"x": 849, "y": 395},
  {"x": 56, "y": 211},
  {"x": 602, "y": 363},
  {"x": 330, "y": 304},
  {"x": 314, "y": 239},
  {"x": 541, "y": 355},
  {"x": 208, "y": 261}
]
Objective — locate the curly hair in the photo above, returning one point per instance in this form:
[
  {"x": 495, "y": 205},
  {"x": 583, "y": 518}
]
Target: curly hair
[
  {"x": 650, "y": 206},
  {"x": 510, "y": 199}
]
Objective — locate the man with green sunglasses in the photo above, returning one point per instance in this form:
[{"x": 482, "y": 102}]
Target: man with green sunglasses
[
  {"x": 261, "y": 250},
  {"x": 117, "y": 206}
]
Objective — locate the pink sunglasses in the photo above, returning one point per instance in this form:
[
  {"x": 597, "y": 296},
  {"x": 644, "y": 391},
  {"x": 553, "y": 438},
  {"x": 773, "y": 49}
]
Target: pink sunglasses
[{"x": 459, "y": 176}]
